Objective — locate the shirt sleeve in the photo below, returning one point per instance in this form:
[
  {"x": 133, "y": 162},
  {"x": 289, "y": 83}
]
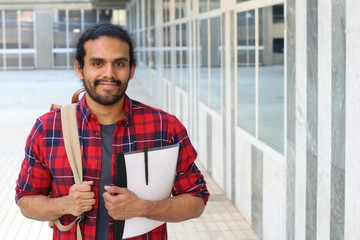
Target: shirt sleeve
[
  {"x": 34, "y": 177},
  {"x": 189, "y": 178}
]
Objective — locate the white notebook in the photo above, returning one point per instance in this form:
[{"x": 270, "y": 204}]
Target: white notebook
[{"x": 155, "y": 183}]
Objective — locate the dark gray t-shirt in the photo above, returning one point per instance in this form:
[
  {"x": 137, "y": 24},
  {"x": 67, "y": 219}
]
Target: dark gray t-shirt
[{"x": 102, "y": 228}]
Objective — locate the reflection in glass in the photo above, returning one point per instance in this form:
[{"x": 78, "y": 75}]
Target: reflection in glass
[
  {"x": 89, "y": 18},
  {"x": 271, "y": 80},
  {"x": 60, "y": 59},
  {"x": 27, "y": 60},
  {"x": 178, "y": 55},
  {"x": 180, "y": 9},
  {"x": 185, "y": 69},
  {"x": 11, "y": 29},
  {"x": 59, "y": 28},
  {"x": 166, "y": 10},
  {"x": 152, "y": 47},
  {"x": 1, "y": 33},
  {"x": 204, "y": 64},
  {"x": 215, "y": 72},
  {"x": 167, "y": 53},
  {"x": 203, "y": 6},
  {"x": 214, "y": 4},
  {"x": 27, "y": 29},
  {"x": 74, "y": 27},
  {"x": 12, "y": 61},
  {"x": 246, "y": 96}
]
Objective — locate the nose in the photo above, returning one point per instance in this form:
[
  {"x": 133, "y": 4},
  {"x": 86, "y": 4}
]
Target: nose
[{"x": 109, "y": 72}]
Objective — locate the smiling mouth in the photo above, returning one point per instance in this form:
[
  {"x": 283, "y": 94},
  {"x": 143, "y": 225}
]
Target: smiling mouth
[{"x": 107, "y": 83}]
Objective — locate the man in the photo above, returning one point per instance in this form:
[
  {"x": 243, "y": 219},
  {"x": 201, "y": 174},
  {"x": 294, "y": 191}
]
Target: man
[{"x": 108, "y": 123}]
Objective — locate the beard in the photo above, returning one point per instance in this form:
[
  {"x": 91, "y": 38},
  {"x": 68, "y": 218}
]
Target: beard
[{"x": 109, "y": 98}]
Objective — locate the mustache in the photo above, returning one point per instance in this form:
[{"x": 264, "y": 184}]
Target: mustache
[{"x": 116, "y": 81}]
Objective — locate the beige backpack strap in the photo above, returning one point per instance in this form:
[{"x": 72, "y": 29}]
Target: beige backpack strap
[
  {"x": 72, "y": 146},
  {"x": 71, "y": 140}
]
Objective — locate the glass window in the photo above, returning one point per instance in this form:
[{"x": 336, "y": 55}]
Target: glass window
[
  {"x": 1, "y": 33},
  {"x": 204, "y": 61},
  {"x": 215, "y": 73},
  {"x": 167, "y": 53},
  {"x": 242, "y": 1},
  {"x": 27, "y": 60},
  {"x": 246, "y": 95},
  {"x": 180, "y": 9},
  {"x": 1, "y": 62},
  {"x": 214, "y": 4},
  {"x": 178, "y": 55},
  {"x": 60, "y": 59},
  {"x": 153, "y": 50},
  {"x": 60, "y": 29},
  {"x": 166, "y": 10},
  {"x": 27, "y": 29},
  {"x": 203, "y": 6},
  {"x": 271, "y": 80},
  {"x": 185, "y": 68},
  {"x": 208, "y": 5},
  {"x": 74, "y": 27},
  {"x": 89, "y": 18},
  {"x": 12, "y": 61},
  {"x": 11, "y": 29}
]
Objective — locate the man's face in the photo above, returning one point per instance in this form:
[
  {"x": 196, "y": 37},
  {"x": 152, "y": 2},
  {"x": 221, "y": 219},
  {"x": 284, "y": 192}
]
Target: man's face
[{"x": 106, "y": 70}]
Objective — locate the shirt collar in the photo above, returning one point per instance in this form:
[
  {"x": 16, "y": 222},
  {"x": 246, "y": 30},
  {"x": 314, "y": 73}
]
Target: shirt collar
[{"x": 86, "y": 112}]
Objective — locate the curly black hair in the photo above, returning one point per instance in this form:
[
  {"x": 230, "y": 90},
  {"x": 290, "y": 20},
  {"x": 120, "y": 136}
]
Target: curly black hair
[{"x": 104, "y": 29}]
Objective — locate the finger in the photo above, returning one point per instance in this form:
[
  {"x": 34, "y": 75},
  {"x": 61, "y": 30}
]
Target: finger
[
  {"x": 83, "y": 187},
  {"x": 87, "y": 195},
  {"x": 115, "y": 190}
]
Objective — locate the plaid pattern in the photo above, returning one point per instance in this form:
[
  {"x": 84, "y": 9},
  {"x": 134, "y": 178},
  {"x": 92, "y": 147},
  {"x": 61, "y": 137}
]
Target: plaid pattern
[{"x": 45, "y": 167}]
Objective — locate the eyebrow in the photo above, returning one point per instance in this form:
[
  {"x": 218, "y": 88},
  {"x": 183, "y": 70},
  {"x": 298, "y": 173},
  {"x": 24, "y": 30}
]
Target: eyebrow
[{"x": 125, "y": 59}]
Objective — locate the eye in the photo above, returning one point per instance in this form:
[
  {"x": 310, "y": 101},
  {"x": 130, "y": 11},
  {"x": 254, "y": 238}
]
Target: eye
[
  {"x": 119, "y": 64},
  {"x": 97, "y": 63}
]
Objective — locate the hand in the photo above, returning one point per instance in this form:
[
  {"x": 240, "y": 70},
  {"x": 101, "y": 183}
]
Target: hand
[
  {"x": 80, "y": 198},
  {"x": 122, "y": 204}
]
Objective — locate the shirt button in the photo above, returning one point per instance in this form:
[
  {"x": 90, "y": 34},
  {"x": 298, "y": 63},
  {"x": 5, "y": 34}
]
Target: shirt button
[
  {"x": 97, "y": 162},
  {"x": 91, "y": 220},
  {"x": 97, "y": 134}
]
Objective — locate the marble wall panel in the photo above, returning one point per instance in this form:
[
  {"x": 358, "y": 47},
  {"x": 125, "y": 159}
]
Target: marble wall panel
[
  {"x": 274, "y": 199},
  {"x": 338, "y": 120},
  {"x": 352, "y": 165},
  {"x": 257, "y": 180},
  {"x": 202, "y": 143},
  {"x": 324, "y": 120},
  {"x": 301, "y": 118},
  {"x": 217, "y": 151},
  {"x": 290, "y": 117},
  {"x": 243, "y": 177}
]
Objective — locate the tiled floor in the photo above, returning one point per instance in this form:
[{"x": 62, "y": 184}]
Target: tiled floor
[{"x": 26, "y": 95}]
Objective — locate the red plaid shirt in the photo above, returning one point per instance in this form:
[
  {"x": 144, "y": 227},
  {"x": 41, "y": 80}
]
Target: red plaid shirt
[{"x": 46, "y": 168}]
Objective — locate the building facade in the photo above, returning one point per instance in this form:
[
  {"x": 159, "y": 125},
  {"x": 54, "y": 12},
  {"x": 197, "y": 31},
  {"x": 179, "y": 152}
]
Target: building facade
[
  {"x": 268, "y": 92},
  {"x": 42, "y": 34}
]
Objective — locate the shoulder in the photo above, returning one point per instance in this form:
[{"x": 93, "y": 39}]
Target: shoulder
[
  {"x": 145, "y": 111},
  {"x": 49, "y": 121}
]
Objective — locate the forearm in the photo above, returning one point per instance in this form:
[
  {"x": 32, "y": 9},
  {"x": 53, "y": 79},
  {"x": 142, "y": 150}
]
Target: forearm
[
  {"x": 42, "y": 208},
  {"x": 175, "y": 209}
]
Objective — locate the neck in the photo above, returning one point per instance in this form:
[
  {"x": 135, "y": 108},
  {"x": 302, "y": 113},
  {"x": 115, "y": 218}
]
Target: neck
[{"x": 107, "y": 114}]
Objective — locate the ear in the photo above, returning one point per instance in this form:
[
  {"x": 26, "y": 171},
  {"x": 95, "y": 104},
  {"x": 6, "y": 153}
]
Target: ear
[
  {"x": 132, "y": 71},
  {"x": 78, "y": 70}
]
